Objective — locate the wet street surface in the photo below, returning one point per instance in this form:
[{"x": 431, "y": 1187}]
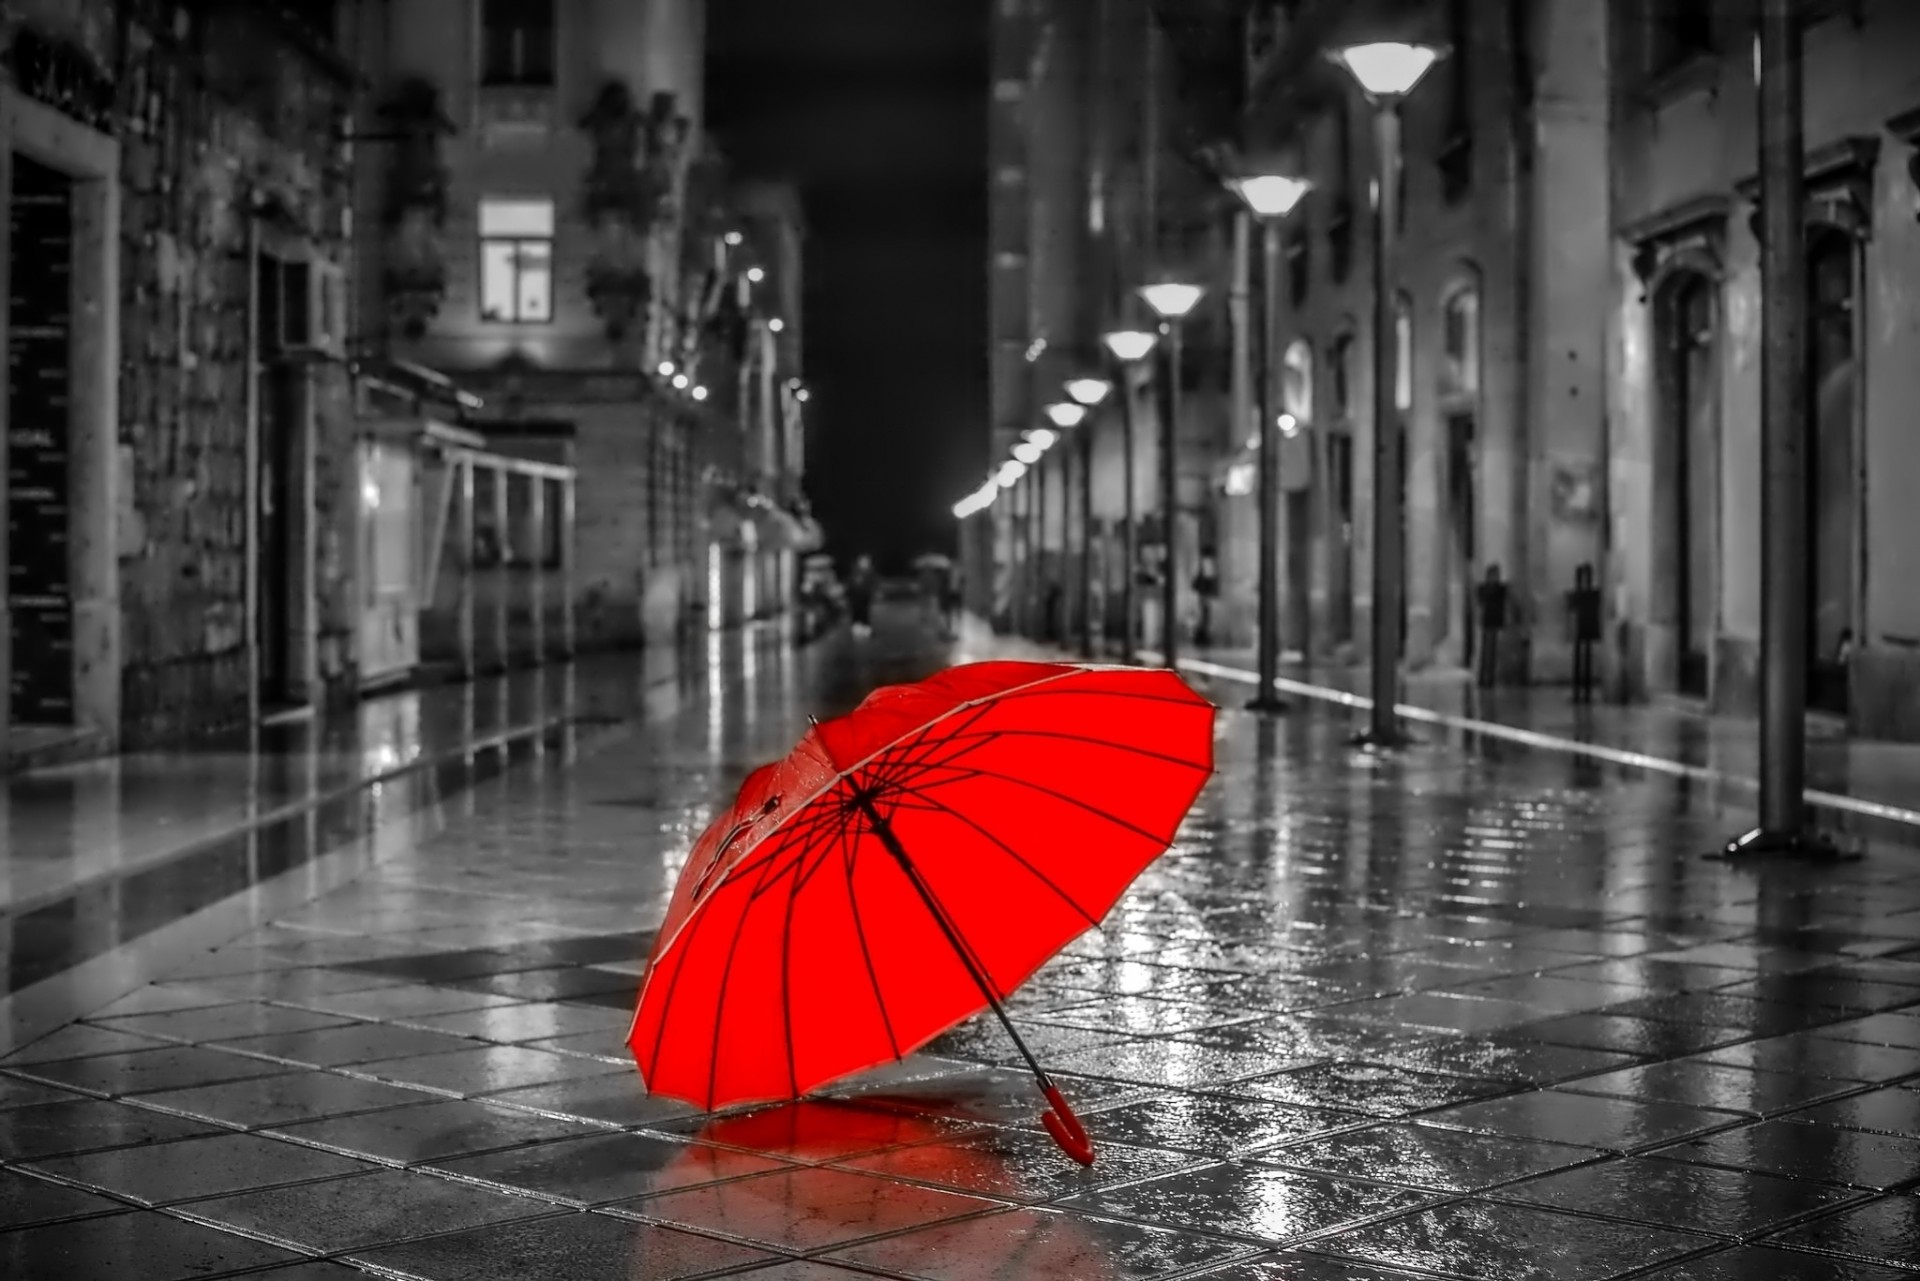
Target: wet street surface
[{"x": 1477, "y": 1010}]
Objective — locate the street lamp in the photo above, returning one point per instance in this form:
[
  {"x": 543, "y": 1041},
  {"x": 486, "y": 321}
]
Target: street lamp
[
  {"x": 1066, "y": 414},
  {"x": 1089, "y": 392},
  {"x": 1270, "y": 197},
  {"x": 776, "y": 324},
  {"x": 1171, "y": 301},
  {"x": 1386, "y": 72},
  {"x": 1127, "y": 347},
  {"x": 1045, "y": 437}
]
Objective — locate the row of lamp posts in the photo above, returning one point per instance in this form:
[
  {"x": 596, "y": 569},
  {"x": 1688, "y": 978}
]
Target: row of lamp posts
[{"x": 1386, "y": 73}]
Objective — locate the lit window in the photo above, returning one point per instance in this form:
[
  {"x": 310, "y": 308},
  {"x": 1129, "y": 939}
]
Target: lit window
[
  {"x": 1296, "y": 387},
  {"x": 1462, "y": 370},
  {"x": 516, "y": 42},
  {"x": 516, "y": 261},
  {"x": 1403, "y": 354}
]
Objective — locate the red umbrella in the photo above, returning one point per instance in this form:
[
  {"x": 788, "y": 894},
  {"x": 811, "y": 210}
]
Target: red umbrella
[{"x": 909, "y": 865}]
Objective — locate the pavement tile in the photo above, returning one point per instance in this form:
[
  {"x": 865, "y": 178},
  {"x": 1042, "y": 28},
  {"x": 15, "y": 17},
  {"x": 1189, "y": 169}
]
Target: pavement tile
[
  {"x": 158, "y": 998},
  {"x": 1425, "y": 1156},
  {"x": 816, "y": 1131},
  {"x": 1898, "y": 1028},
  {"x": 26, "y": 1201},
  {"x": 804, "y": 1210},
  {"x": 484, "y": 1069},
  {"x": 1017, "y": 1244},
  {"x": 168, "y": 1067},
  {"x": 1254, "y": 1201},
  {"x": 17, "y": 1092},
  {"x": 995, "y": 1095},
  {"x": 596, "y": 1169},
  {"x": 221, "y": 1022},
  {"x": 345, "y": 1043},
  {"x": 1890, "y": 1110},
  {"x": 532, "y": 1021},
  {"x": 158, "y": 1174},
  {"x": 77, "y": 1041},
  {"x": 1531, "y": 1063},
  {"x": 398, "y": 1004},
  {"x": 1202, "y": 1123},
  {"x": 282, "y": 1099},
  {"x": 1483, "y": 1239},
  {"x": 86, "y": 1125},
  {"x": 1298, "y": 1265},
  {"x": 360, "y": 1212},
  {"x": 1764, "y": 1263},
  {"x": 1821, "y": 1056},
  {"x": 1679, "y": 1194},
  {"x": 618, "y": 1099},
  {"x": 1017, "y": 1165},
  {"x": 1176, "y": 1064},
  {"x": 140, "y": 1243},
  {"x": 424, "y": 1132},
  {"x": 1801, "y": 1150},
  {"x": 1375, "y": 1088},
  {"x": 1702, "y": 1083},
  {"x": 1628, "y": 1034},
  {"x": 1886, "y": 1231},
  {"x": 570, "y": 1247},
  {"x": 1587, "y": 1120},
  {"x": 985, "y": 1041}
]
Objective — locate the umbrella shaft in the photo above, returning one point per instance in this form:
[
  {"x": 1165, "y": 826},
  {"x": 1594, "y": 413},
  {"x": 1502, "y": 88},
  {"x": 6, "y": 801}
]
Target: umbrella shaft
[{"x": 884, "y": 830}]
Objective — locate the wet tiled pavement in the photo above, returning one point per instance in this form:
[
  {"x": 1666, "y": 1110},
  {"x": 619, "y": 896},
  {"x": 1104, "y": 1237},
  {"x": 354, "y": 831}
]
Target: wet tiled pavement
[{"x": 1476, "y": 1011}]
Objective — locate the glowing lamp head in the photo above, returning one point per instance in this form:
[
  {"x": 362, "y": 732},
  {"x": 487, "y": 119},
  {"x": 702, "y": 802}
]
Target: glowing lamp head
[
  {"x": 1027, "y": 452},
  {"x": 1045, "y": 437},
  {"x": 1089, "y": 391},
  {"x": 1387, "y": 69},
  {"x": 733, "y": 238},
  {"x": 699, "y": 393},
  {"x": 1289, "y": 425},
  {"x": 1010, "y": 473},
  {"x": 666, "y": 369},
  {"x": 1171, "y": 300},
  {"x": 1129, "y": 345},
  {"x": 776, "y": 324},
  {"x": 1066, "y": 414},
  {"x": 1271, "y": 195},
  {"x": 680, "y": 382},
  {"x": 756, "y": 275}
]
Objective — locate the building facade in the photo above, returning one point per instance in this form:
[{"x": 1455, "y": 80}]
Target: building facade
[
  {"x": 1575, "y": 280},
  {"x": 170, "y": 170},
  {"x": 546, "y": 223}
]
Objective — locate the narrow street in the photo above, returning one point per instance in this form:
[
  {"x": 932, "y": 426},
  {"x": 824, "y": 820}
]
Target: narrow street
[{"x": 1481, "y": 1010}]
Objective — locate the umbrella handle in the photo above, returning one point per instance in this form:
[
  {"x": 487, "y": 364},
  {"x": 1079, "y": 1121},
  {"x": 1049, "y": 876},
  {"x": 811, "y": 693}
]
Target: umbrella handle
[{"x": 1065, "y": 1127}]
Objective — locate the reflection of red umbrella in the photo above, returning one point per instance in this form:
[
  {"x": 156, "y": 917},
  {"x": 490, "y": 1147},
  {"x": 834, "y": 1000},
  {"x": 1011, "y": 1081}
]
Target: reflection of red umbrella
[{"x": 908, "y": 865}]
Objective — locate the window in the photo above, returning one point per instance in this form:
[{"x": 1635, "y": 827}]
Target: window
[
  {"x": 516, "y": 42},
  {"x": 1402, "y": 354},
  {"x": 1677, "y": 32},
  {"x": 1340, "y": 374},
  {"x": 1296, "y": 382},
  {"x": 1461, "y": 374},
  {"x": 516, "y": 261}
]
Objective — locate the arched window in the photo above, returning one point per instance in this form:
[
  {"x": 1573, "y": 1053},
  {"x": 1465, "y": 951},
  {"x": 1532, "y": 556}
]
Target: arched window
[
  {"x": 1296, "y": 382},
  {"x": 1403, "y": 353},
  {"x": 1460, "y": 373},
  {"x": 1340, "y": 378}
]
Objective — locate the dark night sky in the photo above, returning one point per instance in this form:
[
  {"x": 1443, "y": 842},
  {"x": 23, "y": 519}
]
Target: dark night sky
[{"x": 878, "y": 109}]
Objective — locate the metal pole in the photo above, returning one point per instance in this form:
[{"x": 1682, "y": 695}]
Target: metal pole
[
  {"x": 1783, "y": 499},
  {"x": 1086, "y": 537},
  {"x": 1129, "y": 521},
  {"x": 1268, "y": 398},
  {"x": 1042, "y": 571},
  {"x": 1384, "y": 730},
  {"x": 1169, "y": 496}
]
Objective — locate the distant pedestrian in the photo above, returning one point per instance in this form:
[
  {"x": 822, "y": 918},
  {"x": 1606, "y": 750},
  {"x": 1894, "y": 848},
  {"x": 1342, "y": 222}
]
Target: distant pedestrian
[
  {"x": 1206, "y": 587},
  {"x": 950, "y": 601},
  {"x": 860, "y": 589},
  {"x": 1492, "y": 599},
  {"x": 1583, "y": 607}
]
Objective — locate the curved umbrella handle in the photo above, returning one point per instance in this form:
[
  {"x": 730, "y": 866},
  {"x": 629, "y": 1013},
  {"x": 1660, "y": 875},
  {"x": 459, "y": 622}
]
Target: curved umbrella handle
[{"x": 1065, "y": 1127}]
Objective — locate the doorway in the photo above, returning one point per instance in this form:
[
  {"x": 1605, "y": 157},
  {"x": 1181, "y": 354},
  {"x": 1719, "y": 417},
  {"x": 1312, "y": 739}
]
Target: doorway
[
  {"x": 1832, "y": 518},
  {"x": 1462, "y": 522},
  {"x": 39, "y": 442},
  {"x": 1340, "y": 537},
  {"x": 278, "y": 509},
  {"x": 1689, "y": 441}
]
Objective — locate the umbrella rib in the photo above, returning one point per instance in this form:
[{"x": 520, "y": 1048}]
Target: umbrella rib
[
  {"x": 726, "y": 981},
  {"x": 1038, "y": 690},
  {"x": 971, "y": 772},
  {"x": 1016, "y": 731},
  {"x": 1015, "y": 855},
  {"x": 866, "y": 953}
]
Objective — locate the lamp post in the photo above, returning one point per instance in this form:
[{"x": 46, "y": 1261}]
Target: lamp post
[
  {"x": 1171, "y": 301},
  {"x": 1387, "y": 73},
  {"x": 1127, "y": 347},
  {"x": 1087, "y": 392},
  {"x": 1270, "y": 198},
  {"x": 1065, "y": 416}
]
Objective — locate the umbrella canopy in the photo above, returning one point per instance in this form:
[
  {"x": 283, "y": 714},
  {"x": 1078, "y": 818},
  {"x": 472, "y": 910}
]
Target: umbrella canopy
[{"x": 907, "y": 866}]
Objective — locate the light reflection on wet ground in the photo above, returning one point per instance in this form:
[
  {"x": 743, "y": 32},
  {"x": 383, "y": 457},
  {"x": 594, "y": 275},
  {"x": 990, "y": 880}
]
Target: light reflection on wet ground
[{"x": 1452, "y": 1013}]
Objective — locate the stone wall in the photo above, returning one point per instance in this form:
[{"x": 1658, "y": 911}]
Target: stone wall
[{"x": 219, "y": 115}]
